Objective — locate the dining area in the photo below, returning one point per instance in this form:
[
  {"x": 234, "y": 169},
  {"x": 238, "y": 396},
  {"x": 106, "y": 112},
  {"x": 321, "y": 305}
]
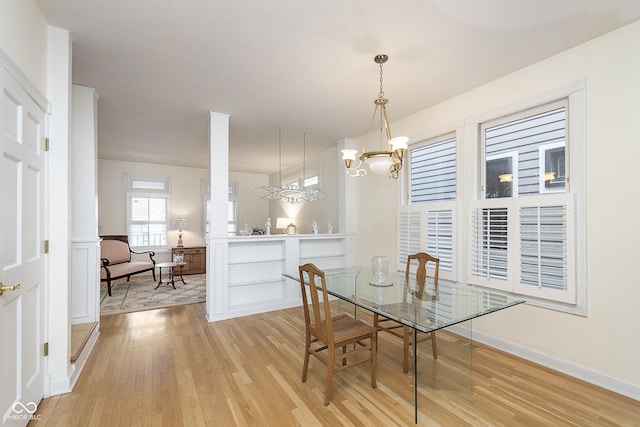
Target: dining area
[{"x": 347, "y": 309}]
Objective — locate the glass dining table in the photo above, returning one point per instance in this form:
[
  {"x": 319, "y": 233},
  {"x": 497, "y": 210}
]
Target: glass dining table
[{"x": 446, "y": 304}]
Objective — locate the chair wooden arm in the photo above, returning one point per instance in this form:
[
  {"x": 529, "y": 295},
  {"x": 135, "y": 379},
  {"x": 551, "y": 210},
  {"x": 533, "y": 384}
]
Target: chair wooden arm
[{"x": 151, "y": 254}]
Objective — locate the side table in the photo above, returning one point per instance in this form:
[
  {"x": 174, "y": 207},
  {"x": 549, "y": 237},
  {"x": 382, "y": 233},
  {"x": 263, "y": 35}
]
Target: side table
[{"x": 169, "y": 279}]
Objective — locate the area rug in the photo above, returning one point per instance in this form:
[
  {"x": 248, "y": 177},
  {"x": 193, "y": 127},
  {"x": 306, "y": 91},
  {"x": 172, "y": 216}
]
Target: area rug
[{"x": 139, "y": 295}]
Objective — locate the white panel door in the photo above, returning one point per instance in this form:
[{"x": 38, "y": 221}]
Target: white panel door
[{"x": 22, "y": 129}]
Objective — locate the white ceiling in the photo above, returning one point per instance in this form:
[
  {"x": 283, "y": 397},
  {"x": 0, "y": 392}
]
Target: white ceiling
[{"x": 306, "y": 66}]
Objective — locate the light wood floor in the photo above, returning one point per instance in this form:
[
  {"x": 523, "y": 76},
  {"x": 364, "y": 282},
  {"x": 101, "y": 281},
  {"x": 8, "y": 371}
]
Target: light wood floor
[{"x": 170, "y": 367}]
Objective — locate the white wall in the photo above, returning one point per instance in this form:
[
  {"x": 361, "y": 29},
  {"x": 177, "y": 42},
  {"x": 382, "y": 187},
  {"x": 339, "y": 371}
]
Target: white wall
[
  {"x": 23, "y": 36},
  {"x": 186, "y": 199},
  {"x": 602, "y": 347},
  {"x": 304, "y": 213},
  {"x": 251, "y": 209}
]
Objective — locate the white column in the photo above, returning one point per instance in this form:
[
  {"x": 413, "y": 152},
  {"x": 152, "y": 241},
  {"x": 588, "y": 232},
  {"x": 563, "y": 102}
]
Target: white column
[
  {"x": 59, "y": 217},
  {"x": 217, "y": 242},
  {"x": 85, "y": 246}
]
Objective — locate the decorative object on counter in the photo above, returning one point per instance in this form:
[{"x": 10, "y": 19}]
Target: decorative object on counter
[
  {"x": 245, "y": 230},
  {"x": 292, "y": 229},
  {"x": 330, "y": 228},
  {"x": 390, "y": 154},
  {"x": 314, "y": 227},
  {"x": 267, "y": 227},
  {"x": 282, "y": 223},
  {"x": 291, "y": 193},
  {"x": 380, "y": 270},
  {"x": 180, "y": 224}
]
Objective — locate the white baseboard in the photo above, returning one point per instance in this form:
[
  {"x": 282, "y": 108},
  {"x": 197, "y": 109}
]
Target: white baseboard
[
  {"x": 59, "y": 386},
  {"x": 65, "y": 385},
  {"x": 616, "y": 385}
]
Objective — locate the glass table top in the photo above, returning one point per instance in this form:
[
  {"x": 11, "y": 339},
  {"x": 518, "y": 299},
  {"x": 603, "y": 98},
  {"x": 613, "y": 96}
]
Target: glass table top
[{"x": 434, "y": 308}]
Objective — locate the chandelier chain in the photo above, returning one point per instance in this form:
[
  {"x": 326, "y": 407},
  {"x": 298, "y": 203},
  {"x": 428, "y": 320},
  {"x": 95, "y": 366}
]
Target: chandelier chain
[{"x": 381, "y": 94}]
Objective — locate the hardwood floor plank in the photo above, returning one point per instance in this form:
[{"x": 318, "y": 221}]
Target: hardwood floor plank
[{"x": 170, "y": 367}]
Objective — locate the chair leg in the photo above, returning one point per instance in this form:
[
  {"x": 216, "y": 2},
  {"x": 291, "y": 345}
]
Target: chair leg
[
  {"x": 332, "y": 361},
  {"x": 407, "y": 343},
  {"x": 375, "y": 325},
  {"x": 109, "y": 287},
  {"x": 344, "y": 359},
  {"x": 154, "y": 275},
  {"x": 305, "y": 366},
  {"x": 434, "y": 346},
  {"x": 374, "y": 359}
]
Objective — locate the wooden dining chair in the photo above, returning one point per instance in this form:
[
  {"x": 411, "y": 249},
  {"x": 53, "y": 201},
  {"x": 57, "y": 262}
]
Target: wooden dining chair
[
  {"x": 326, "y": 332},
  {"x": 384, "y": 324}
]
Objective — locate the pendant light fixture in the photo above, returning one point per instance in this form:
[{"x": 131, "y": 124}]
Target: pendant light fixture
[
  {"x": 388, "y": 158},
  {"x": 291, "y": 193}
]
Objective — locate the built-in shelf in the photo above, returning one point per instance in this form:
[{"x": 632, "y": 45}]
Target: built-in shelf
[
  {"x": 257, "y": 261},
  {"x": 254, "y": 281}
]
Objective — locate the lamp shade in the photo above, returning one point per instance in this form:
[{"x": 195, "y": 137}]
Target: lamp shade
[
  {"x": 399, "y": 143},
  {"x": 180, "y": 224},
  {"x": 349, "y": 154},
  {"x": 379, "y": 165}
]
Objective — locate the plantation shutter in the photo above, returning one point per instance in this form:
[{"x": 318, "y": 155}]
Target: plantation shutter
[
  {"x": 440, "y": 237},
  {"x": 489, "y": 245},
  {"x": 409, "y": 233},
  {"x": 545, "y": 257},
  {"x": 522, "y": 245},
  {"x": 427, "y": 230}
]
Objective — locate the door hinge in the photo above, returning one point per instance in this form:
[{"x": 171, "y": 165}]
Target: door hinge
[
  {"x": 46, "y": 246},
  {"x": 46, "y": 144},
  {"x": 46, "y": 349}
]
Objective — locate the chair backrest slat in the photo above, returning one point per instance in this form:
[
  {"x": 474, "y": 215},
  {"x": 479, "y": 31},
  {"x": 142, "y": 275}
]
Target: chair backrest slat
[
  {"x": 421, "y": 273},
  {"x": 315, "y": 319}
]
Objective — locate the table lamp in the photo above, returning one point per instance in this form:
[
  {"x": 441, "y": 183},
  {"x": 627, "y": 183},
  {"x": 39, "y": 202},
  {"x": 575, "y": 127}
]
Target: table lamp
[{"x": 180, "y": 224}]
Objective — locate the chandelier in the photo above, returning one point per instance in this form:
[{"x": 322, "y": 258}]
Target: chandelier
[
  {"x": 290, "y": 193},
  {"x": 388, "y": 159}
]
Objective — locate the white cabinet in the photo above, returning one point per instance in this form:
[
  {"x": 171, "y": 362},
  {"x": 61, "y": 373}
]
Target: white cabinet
[
  {"x": 247, "y": 271},
  {"x": 255, "y": 272}
]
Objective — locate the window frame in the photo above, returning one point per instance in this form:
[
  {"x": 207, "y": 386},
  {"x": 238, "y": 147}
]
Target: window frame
[
  {"x": 513, "y": 155},
  {"x": 542, "y": 159},
  {"x": 574, "y": 94},
  {"x": 413, "y": 218},
  {"x": 159, "y": 188},
  {"x": 470, "y": 179}
]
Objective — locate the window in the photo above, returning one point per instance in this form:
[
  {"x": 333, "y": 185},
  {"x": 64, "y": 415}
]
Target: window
[
  {"x": 526, "y": 224},
  {"x": 433, "y": 171},
  {"x": 522, "y": 236},
  {"x": 552, "y": 167},
  {"x": 232, "y": 208},
  {"x": 501, "y": 178},
  {"x": 427, "y": 223},
  {"x": 147, "y": 212},
  {"x": 310, "y": 180},
  {"x": 534, "y": 143}
]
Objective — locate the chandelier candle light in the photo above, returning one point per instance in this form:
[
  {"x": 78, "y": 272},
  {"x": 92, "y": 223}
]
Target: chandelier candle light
[{"x": 388, "y": 159}]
